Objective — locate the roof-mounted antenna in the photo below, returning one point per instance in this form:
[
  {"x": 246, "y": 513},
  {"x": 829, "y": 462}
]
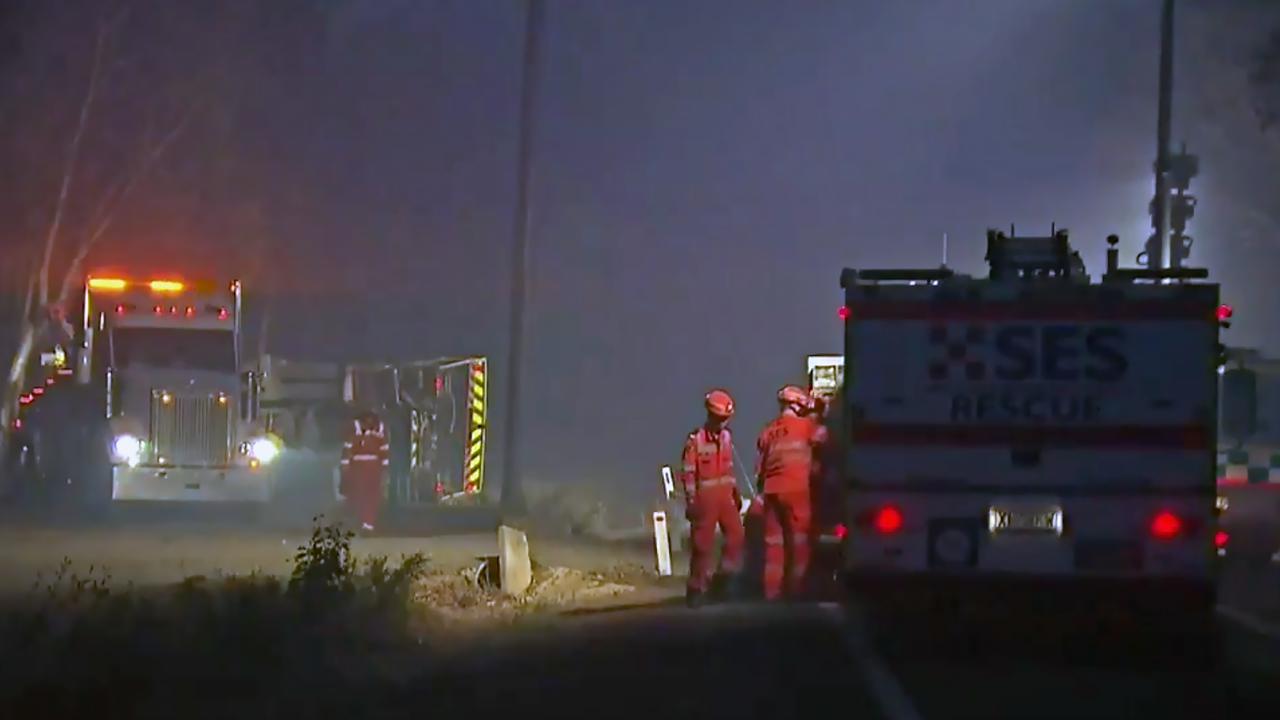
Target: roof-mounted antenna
[{"x": 944, "y": 249}]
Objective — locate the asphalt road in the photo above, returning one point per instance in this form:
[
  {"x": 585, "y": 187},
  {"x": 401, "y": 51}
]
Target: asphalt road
[
  {"x": 718, "y": 662},
  {"x": 817, "y": 661}
]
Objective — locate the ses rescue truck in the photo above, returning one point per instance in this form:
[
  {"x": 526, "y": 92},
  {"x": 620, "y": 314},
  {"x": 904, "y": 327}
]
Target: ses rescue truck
[
  {"x": 1032, "y": 429},
  {"x": 181, "y": 414}
]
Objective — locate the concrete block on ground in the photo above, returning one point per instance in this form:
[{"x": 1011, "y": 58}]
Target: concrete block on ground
[{"x": 513, "y": 557}]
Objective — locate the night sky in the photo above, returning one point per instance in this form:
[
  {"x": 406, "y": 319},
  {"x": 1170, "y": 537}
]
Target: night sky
[{"x": 703, "y": 171}]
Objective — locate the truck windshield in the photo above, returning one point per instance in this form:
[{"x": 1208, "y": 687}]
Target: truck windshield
[{"x": 212, "y": 350}]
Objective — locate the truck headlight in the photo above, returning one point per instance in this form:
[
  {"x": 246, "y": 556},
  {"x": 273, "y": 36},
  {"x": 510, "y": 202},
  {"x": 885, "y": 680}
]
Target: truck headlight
[
  {"x": 128, "y": 449},
  {"x": 264, "y": 450}
]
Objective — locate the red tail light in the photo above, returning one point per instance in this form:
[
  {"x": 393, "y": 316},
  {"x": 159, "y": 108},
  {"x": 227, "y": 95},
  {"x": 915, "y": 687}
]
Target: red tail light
[
  {"x": 37, "y": 390},
  {"x": 887, "y": 520},
  {"x": 1166, "y": 526},
  {"x": 840, "y": 531},
  {"x": 119, "y": 309},
  {"x": 1220, "y": 539},
  {"x": 844, "y": 312},
  {"x": 1225, "y": 312},
  {"x": 439, "y": 488},
  {"x": 191, "y": 312}
]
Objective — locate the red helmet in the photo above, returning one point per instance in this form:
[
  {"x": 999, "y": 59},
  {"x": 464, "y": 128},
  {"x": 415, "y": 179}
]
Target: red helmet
[
  {"x": 794, "y": 395},
  {"x": 720, "y": 404}
]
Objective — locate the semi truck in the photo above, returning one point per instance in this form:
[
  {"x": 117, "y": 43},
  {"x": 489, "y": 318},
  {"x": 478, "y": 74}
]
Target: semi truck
[
  {"x": 1033, "y": 430},
  {"x": 164, "y": 358}
]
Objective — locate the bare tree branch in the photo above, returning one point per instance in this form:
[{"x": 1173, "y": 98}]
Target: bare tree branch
[
  {"x": 30, "y": 298},
  {"x": 104, "y": 216},
  {"x": 73, "y": 157}
]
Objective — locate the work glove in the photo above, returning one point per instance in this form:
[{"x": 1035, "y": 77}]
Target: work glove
[
  {"x": 737, "y": 498},
  {"x": 691, "y": 509}
]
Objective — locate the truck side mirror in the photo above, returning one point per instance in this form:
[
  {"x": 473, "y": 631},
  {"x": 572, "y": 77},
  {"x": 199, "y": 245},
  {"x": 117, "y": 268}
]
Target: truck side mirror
[{"x": 1239, "y": 403}]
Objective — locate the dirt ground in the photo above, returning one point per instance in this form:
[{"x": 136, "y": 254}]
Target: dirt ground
[{"x": 158, "y": 554}]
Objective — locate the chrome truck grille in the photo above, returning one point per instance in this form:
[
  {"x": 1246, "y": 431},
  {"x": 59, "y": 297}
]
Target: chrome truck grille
[{"x": 190, "y": 429}]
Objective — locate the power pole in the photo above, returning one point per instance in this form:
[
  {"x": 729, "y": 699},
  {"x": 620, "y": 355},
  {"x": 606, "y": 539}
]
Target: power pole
[
  {"x": 1156, "y": 254},
  {"x": 512, "y": 500}
]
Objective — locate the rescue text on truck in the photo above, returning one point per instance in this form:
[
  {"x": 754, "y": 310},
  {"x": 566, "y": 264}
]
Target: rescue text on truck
[{"x": 183, "y": 420}]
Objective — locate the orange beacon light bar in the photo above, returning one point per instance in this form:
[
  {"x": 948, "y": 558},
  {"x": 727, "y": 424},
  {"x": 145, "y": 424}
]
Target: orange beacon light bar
[
  {"x": 107, "y": 283},
  {"x": 163, "y": 286}
]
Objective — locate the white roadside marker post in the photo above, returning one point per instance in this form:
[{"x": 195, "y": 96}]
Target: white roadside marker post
[
  {"x": 674, "y": 540},
  {"x": 668, "y": 482},
  {"x": 662, "y": 543}
]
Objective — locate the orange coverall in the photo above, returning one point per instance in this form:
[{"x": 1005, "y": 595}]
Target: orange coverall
[
  {"x": 713, "y": 501},
  {"x": 786, "y": 460},
  {"x": 365, "y": 457}
]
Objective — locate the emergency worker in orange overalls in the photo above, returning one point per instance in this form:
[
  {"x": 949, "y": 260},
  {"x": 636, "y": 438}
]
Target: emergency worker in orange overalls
[
  {"x": 365, "y": 459},
  {"x": 786, "y": 461},
  {"x": 712, "y": 499}
]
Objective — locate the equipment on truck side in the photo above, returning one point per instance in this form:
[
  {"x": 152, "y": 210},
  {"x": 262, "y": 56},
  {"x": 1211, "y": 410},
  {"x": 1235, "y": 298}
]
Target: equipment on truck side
[
  {"x": 826, "y": 378},
  {"x": 181, "y": 412},
  {"x": 436, "y": 415},
  {"x": 434, "y": 410},
  {"x": 1033, "y": 428}
]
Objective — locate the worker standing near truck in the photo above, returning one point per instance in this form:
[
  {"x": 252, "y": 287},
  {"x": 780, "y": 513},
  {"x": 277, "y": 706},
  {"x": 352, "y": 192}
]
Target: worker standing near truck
[
  {"x": 786, "y": 449},
  {"x": 712, "y": 499},
  {"x": 366, "y": 455}
]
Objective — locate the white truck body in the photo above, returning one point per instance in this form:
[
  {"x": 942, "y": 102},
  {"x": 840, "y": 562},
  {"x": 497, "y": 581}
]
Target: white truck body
[
  {"x": 181, "y": 414},
  {"x": 1030, "y": 427}
]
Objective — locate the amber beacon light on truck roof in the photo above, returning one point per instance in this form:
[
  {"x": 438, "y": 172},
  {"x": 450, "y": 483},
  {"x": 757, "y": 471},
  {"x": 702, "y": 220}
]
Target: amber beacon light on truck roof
[{"x": 157, "y": 286}]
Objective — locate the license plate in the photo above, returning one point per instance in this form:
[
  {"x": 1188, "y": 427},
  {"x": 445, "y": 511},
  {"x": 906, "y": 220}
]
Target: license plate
[{"x": 1011, "y": 520}]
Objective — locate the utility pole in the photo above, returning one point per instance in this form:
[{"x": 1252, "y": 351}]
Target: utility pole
[
  {"x": 1172, "y": 206},
  {"x": 512, "y": 500},
  {"x": 1156, "y": 254}
]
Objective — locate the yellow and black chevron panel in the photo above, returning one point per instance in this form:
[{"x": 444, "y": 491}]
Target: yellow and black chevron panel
[
  {"x": 415, "y": 440},
  {"x": 476, "y": 428}
]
